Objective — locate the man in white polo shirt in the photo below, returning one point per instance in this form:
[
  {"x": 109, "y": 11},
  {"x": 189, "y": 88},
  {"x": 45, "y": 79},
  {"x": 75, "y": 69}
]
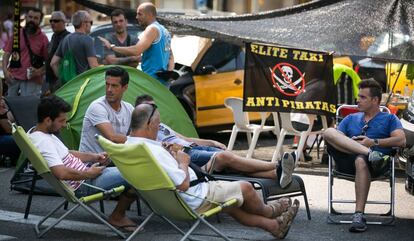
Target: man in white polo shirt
[{"x": 71, "y": 166}]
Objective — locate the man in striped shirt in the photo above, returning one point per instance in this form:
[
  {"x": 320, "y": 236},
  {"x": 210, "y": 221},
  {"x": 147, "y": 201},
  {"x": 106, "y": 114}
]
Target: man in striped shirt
[{"x": 76, "y": 167}]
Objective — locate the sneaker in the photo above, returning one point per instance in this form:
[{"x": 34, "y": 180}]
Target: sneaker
[
  {"x": 288, "y": 165},
  {"x": 378, "y": 161},
  {"x": 359, "y": 224}
]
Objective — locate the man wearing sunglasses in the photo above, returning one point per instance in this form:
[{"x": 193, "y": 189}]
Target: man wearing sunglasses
[
  {"x": 274, "y": 217},
  {"x": 212, "y": 155},
  {"x": 361, "y": 144},
  {"x": 58, "y": 24},
  {"x": 108, "y": 115},
  {"x": 79, "y": 43}
]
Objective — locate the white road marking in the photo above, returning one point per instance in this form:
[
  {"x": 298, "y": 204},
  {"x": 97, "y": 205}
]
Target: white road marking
[
  {"x": 94, "y": 228},
  {"x": 5, "y": 237}
]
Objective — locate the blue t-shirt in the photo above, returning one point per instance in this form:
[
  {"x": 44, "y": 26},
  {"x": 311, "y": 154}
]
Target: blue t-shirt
[
  {"x": 379, "y": 127},
  {"x": 157, "y": 56}
]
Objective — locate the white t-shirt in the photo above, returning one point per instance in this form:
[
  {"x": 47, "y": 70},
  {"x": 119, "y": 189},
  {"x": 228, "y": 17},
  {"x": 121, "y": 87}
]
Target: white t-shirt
[
  {"x": 166, "y": 134},
  {"x": 56, "y": 153},
  {"x": 98, "y": 112},
  {"x": 177, "y": 175}
]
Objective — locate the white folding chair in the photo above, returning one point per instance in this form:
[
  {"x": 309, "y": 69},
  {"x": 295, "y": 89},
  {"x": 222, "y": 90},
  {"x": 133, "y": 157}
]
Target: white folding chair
[
  {"x": 242, "y": 124},
  {"x": 287, "y": 129}
]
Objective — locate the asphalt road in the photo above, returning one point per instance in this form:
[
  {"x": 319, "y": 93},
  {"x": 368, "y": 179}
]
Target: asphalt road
[{"x": 81, "y": 226}]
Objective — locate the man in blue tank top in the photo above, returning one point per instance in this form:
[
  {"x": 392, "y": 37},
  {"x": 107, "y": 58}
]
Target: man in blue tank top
[{"x": 154, "y": 43}]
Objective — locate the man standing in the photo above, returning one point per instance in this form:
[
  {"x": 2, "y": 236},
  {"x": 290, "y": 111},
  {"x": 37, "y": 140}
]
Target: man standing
[
  {"x": 275, "y": 217},
  {"x": 361, "y": 145},
  {"x": 57, "y": 22},
  {"x": 79, "y": 43},
  {"x": 120, "y": 37},
  {"x": 154, "y": 43},
  {"x": 108, "y": 116},
  {"x": 28, "y": 78},
  {"x": 70, "y": 165}
]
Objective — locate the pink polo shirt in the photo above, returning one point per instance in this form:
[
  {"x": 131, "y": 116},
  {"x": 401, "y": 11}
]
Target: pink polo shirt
[{"x": 38, "y": 43}]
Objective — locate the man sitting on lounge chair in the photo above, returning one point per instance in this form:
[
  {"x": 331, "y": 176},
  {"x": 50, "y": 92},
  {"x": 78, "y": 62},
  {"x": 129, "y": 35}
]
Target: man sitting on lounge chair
[
  {"x": 69, "y": 165},
  {"x": 213, "y": 154},
  {"x": 275, "y": 217}
]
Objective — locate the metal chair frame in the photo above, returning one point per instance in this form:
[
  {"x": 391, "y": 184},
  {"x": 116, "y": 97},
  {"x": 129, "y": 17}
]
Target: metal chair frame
[{"x": 333, "y": 214}]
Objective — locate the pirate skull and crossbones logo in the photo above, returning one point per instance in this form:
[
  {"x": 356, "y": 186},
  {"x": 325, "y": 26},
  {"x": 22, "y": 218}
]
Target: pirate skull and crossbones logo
[{"x": 283, "y": 75}]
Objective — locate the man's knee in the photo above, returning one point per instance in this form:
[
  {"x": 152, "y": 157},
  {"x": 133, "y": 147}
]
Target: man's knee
[
  {"x": 223, "y": 158},
  {"x": 246, "y": 188},
  {"x": 361, "y": 163},
  {"x": 329, "y": 134}
]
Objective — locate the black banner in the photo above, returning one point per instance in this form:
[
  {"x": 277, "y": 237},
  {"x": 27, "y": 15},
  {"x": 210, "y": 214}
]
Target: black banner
[
  {"x": 15, "y": 54},
  {"x": 288, "y": 80}
]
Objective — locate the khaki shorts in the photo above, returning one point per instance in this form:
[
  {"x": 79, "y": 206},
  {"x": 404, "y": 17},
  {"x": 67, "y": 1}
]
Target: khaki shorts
[{"x": 221, "y": 191}]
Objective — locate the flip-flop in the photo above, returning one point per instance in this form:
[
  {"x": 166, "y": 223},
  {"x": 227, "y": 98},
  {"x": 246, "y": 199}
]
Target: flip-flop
[{"x": 125, "y": 228}]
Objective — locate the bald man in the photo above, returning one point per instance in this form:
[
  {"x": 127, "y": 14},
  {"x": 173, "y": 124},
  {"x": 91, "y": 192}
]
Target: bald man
[{"x": 154, "y": 43}]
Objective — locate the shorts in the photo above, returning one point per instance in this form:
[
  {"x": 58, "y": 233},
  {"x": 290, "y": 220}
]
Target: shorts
[
  {"x": 345, "y": 162},
  {"x": 200, "y": 155},
  {"x": 221, "y": 191}
]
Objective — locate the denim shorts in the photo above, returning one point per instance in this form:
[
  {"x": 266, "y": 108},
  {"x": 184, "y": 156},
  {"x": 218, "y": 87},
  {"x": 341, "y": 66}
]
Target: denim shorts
[
  {"x": 110, "y": 178},
  {"x": 200, "y": 155}
]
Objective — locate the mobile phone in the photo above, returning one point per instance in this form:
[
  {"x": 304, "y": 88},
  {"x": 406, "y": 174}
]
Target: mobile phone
[{"x": 186, "y": 149}]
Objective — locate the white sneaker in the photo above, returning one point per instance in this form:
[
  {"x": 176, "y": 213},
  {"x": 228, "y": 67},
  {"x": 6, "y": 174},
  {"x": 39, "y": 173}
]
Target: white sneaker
[{"x": 288, "y": 165}]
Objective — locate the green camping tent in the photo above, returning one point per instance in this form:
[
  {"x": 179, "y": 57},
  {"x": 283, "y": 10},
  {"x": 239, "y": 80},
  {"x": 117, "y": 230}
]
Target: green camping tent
[{"x": 90, "y": 85}]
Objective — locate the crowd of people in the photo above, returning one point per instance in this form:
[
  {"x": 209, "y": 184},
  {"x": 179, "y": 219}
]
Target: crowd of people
[{"x": 39, "y": 67}]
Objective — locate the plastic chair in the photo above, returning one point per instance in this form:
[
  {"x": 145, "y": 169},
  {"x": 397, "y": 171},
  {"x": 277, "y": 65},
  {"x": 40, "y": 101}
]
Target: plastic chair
[
  {"x": 139, "y": 167},
  {"x": 242, "y": 124},
  {"x": 63, "y": 189},
  {"x": 287, "y": 129},
  {"x": 335, "y": 216}
]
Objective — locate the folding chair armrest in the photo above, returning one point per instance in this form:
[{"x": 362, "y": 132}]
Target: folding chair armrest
[
  {"x": 102, "y": 195},
  {"x": 217, "y": 209}
]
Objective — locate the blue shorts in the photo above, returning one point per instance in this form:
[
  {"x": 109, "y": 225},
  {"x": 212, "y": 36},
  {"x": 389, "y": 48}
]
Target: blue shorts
[
  {"x": 200, "y": 155},
  {"x": 110, "y": 178}
]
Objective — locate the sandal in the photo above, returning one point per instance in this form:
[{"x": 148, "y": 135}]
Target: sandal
[
  {"x": 285, "y": 220},
  {"x": 279, "y": 206}
]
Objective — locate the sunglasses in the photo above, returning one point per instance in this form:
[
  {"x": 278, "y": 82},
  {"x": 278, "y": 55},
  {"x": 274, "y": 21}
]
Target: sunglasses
[
  {"x": 55, "y": 20},
  {"x": 364, "y": 130},
  {"x": 154, "y": 107}
]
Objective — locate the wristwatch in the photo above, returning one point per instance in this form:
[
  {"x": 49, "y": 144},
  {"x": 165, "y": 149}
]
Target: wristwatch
[
  {"x": 112, "y": 46},
  {"x": 376, "y": 142}
]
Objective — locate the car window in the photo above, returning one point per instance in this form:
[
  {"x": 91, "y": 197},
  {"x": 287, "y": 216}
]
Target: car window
[{"x": 224, "y": 57}]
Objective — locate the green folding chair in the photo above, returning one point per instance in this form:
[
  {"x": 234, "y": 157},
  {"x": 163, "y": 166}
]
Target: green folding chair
[
  {"x": 67, "y": 192},
  {"x": 139, "y": 167}
]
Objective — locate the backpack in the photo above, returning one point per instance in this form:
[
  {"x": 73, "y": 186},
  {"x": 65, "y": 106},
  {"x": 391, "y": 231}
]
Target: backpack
[{"x": 67, "y": 67}]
